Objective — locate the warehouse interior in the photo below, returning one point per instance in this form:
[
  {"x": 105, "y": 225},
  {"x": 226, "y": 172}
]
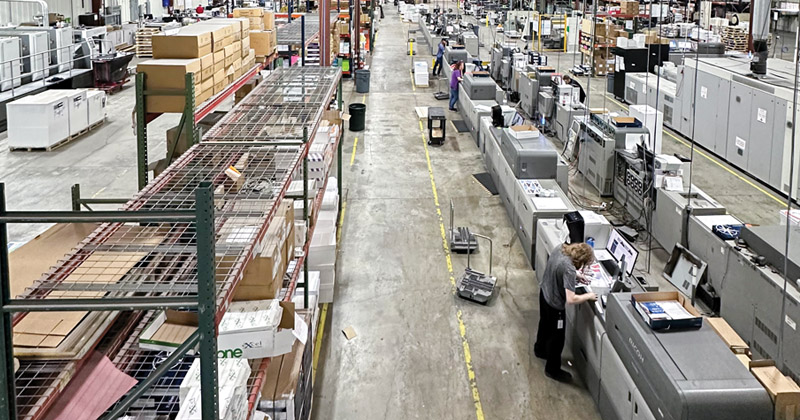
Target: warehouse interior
[{"x": 355, "y": 209}]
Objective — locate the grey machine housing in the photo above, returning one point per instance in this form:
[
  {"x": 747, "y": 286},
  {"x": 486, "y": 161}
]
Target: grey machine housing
[{"x": 685, "y": 374}]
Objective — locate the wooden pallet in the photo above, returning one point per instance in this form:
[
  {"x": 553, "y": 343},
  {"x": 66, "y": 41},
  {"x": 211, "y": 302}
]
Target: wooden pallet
[
  {"x": 144, "y": 42},
  {"x": 55, "y": 146}
]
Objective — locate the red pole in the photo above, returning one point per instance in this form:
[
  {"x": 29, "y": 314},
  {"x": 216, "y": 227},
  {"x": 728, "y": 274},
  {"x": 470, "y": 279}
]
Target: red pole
[{"x": 325, "y": 32}]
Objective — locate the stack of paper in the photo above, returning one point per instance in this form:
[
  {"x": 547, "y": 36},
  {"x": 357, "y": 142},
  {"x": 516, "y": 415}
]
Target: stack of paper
[
  {"x": 665, "y": 309},
  {"x": 232, "y": 375},
  {"x": 421, "y": 73}
]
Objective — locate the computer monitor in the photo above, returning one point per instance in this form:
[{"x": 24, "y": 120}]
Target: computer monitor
[{"x": 619, "y": 248}]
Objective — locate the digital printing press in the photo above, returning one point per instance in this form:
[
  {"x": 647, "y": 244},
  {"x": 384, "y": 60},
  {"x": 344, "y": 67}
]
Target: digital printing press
[
  {"x": 735, "y": 110},
  {"x": 632, "y": 371}
]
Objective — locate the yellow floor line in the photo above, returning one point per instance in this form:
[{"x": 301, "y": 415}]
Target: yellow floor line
[
  {"x": 413, "y": 86},
  {"x": 714, "y": 161},
  {"x": 318, "y": 344},
  {"x": 462, "y": 328},
  {"x": 98, "y": 192},
  {"x": 364, "y": 99},
  {"x": 353, "y": 156},
  {"x": 341, "y": 222}
]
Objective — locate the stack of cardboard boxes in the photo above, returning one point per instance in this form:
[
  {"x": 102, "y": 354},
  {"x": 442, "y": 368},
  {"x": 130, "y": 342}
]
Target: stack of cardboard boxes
[
  {"x": 604, "y": 34},
  {"x": 627, "y": 7},
  {"x": 216, "y": 51},
  {"x": 263, "y": 35}
]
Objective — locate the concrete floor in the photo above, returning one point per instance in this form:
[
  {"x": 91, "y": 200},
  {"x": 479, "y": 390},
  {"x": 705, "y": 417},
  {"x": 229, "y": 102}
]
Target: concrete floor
[
  {"x": 394, "y": 287},
  {"x": 393, "y": 283}
]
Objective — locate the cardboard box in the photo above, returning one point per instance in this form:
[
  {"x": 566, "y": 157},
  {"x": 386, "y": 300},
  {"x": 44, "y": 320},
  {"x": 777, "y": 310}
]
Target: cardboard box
[
  {"x": 244, "y": 47},
  {"x": 263, "y": 42},
  {"x": 785, "y": 393},
  {"x": 220, "y": 81},
  {"x": 248, "y": 12},
  {"x": 245, "y": 22},
  {"x": 728, "y": 335},
  {"x": 230, "y": 55},
  {"x": 524, "y": 131},
  {"x": 207, "y": 91},
  {"x": 695, "y": 320},
  {"x": 168, "y": 74},
  {"x": 268, "y": 21},
  {"x": 237, "y": 49},
  {"x": 237, "y": 68},
  {"x": 207, "y": 66},
  {"x": 219, "y": 60},
  {"x": 181, "y": 45},
  {"x": 263, "y": 275},
  {"x": 218, "y": 34},
  {"x": 256, "y": 23}
]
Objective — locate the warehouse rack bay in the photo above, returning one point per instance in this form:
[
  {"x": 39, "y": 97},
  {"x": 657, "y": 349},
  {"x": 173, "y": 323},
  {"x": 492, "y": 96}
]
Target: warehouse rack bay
[{"x": 182, "y": 242}]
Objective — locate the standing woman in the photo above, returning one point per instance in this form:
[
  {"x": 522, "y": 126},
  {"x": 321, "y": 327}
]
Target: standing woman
[
  {"x": 455, "y": 78},
  {"x": 556, "y": 290}
]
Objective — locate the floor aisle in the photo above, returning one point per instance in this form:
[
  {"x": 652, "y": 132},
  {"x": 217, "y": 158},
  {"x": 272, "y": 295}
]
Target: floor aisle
[{"x": 394, "y": 288}]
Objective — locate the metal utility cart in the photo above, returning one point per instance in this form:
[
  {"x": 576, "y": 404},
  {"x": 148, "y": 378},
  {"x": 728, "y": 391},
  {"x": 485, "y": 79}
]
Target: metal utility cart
[
  {"x": 437, "y": 125},
  {"x": 474, "y": 285}
]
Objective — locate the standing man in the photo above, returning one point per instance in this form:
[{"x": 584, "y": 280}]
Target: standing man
[
  {"x": 437, "y": 66},
  {"x": 556, "y": 290},
  {"x": 455, "y": 78}
]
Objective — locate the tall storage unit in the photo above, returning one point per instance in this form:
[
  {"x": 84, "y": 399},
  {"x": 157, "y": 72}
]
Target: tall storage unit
[
  {"x": 61, "y": 48},
  {"x": 11, "y": 68},
  {"x": 35, "y": 53},
  {"x": 49, "y": 127},
  {"x": 96, "y": 100}
]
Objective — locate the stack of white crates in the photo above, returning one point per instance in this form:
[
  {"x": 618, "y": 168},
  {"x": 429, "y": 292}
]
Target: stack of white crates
[
  {"x": 322, "y": 253},
  {"x": 60, "y": 115},
  {"x": 232, "y": 375}
]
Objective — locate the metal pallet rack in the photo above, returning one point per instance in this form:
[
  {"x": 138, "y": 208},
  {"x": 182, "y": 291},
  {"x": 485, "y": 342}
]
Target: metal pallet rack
[
  {"x": 190, "y": 116},
  {"x": 298, "y": 33},
  {"x": 169, "y": 229}
]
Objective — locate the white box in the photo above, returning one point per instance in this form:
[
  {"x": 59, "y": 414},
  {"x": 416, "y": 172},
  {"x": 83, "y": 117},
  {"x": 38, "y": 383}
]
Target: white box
[
  {"x": 327, "y": 275},
  {"x": 313, "y": 291},
  {"x": 50, "y": 125},
  {"x": 639, "y": 40},
  {"x": 97, "y": 106},
  {"x": 326, "y": 293},
  {"x": 652, "y": 120},
  {"x": 78, "y": 109},
  {"x": 323, "y": 247},
  {"x": 326, "y": 221},
  {"x": 622, "y": 42}
]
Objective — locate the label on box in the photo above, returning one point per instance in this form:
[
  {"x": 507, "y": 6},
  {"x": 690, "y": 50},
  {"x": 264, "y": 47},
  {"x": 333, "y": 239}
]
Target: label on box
[
  {"x": 633, "y": 85},
  {"x": 703, "y": 92},
  {"x": 790, "y": 322},
  {"x": 762, "y": 115},
  {"x": 740, "y": 143},
  {"x": 283, "y": 48},
  {"x": 300, "y": 330}
]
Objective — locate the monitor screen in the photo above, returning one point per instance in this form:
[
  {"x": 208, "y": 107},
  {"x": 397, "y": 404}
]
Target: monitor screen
[{"x": 620, "y": 248}]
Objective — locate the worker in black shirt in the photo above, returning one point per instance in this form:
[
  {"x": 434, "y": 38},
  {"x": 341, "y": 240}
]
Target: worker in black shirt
[{"x": 568, "y": 80}]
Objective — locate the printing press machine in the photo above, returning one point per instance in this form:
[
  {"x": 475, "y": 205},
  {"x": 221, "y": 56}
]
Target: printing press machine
[
  {"x": 671, "y": 209},
  {"x": 529, "y": 84},
  {"x": 456, "y": 53},
  {"x": 751, "y": 294},
  {"x": 479, "y": 86},
  {"x": 634, "y": 372},
  {"x": 565, "y": 114},
  {"x": 473, "y": 110},
  {"x": 599, "y": 139}
]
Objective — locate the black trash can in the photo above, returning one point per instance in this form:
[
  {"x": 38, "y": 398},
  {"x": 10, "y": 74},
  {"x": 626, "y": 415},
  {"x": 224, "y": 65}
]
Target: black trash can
[
  {"x": 358, "y": 115},
  {"x": 362, "y": 81}
]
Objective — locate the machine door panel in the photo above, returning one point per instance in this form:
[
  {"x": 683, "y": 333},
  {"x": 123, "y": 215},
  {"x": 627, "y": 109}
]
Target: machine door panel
[
  {"x": 616, "y": 385},
  {"x": 739, "y": 145},
  {"x": 721, "y": 116},
  {"x": 640, "y": 409},
  {"x": 780, "y": 133},
  {"x": 762, "y": 120},
  {"x": 707, "y": 94}
]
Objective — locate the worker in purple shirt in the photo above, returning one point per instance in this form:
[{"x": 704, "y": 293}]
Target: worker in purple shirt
[
  {"x": 455, "y": 78},
  {"x": 437, "y": 66}
]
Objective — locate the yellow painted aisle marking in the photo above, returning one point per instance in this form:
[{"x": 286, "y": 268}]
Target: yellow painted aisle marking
[
  {"x": 353, "y": 156},
  {"x": 413, "y": 86},
  {"x": 318, "y": 344},
  {"x": 341, "y": 221},
  {"x": 714, "y": 161},
  {"x": 462, "y": 328},
  {"x": 98, "y": 192},
  {"x": 364, "y": 99}
]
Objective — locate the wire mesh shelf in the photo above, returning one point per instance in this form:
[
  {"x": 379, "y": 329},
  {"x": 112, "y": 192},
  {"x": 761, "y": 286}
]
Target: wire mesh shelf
[
  {"x": 160, "y": 258},
  {"x": 279, "y": 108}
]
